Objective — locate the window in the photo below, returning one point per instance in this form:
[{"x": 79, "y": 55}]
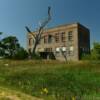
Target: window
[
  {"x": 64, "y": 49},
  {"x": 63, "y": 37},
  {"x": 30, "y": 41},
  {"x": 48, "y": 50},
  {"x": 70, "y": 53},
  {"x": 70, "y": 36},
  {"x": 58, "y": 49},
  {"x": 45, "y": 39},
  {"x": 57, "y": 52},
  {"x": 81, "y": 37},
  {"x": 49, "y": 39},
  {"x": 57, "y": 37}
]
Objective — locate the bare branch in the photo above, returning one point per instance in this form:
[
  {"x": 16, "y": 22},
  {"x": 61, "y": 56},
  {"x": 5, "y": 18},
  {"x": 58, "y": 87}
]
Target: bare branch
[
  {"x": 47, "y": 20},
  {"x": 49, "y": 12},
  {"x": 1, "y": 33},
  {"x": 39, "y": 36},
  {"x": 64, "y": 55},
  {"x": 29, "y": 31}
]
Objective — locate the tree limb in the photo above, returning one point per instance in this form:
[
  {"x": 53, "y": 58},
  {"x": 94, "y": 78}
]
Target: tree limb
[{"x": 29, "y": 31}]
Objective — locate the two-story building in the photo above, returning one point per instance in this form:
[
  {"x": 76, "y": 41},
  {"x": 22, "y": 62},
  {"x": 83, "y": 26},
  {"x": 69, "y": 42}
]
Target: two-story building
[{"x": 69, "y": 40}]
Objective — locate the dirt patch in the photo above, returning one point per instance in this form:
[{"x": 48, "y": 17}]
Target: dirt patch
[{"x": 6, "y": 94}]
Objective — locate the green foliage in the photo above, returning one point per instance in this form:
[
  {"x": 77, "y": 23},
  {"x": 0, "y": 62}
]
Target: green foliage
[
  {"x": 1, "y": 49},
  {"x": 36, "y": 56},
  {"x": 10, "y": 48},
  {"x": 1, "y": 33},
  {"x": 2, "y": 53},
  {"x": 95, "y": 53},
  {"x": 86, "y": 57},
  {"x": 20, "y": 54},
  {"x": 10, "y": 45}
]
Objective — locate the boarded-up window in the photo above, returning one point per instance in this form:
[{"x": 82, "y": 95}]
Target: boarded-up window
[
  {"x": 63, "y": 37},
  {"x": 70, "y": 36},
  {"x": 45, "y": 39},
  {"x": 57, "y": 37},
  {"x": 50, "y": 39},
  {"x": 48, "y": 49}
]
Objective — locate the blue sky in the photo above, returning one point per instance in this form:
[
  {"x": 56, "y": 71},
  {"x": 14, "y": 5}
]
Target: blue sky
[{"x": 16, "y": 14}]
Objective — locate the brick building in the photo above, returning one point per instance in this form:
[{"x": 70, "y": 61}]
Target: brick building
[{"x": 70, "y": 41}]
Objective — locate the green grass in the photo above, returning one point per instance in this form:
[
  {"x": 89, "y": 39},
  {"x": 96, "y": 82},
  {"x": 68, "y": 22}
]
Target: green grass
[{"x": 62, "y": 80}]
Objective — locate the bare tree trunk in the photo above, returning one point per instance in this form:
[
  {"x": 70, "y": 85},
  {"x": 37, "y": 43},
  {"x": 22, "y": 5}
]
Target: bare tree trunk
[
  {"x": 34, "y": 48},
  {"x": 64, "y": 55},
  {"x": 37, "y": 37}
]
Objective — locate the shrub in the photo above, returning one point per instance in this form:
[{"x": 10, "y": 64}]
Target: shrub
[
  {"x": 36, "y": 56},
  {"x": 86, "y": 57},
  {"x": 20, "y": 54}
]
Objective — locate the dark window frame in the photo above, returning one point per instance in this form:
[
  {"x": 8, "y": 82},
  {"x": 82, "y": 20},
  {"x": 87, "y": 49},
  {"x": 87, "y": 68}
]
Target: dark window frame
[
  {"x": 45, "y": 39},
  {"x": 50, "y": 39},
  {"x": 57, "y": 39},
  {"x": 63, "y": 37},
  {"x": 70, "y": 36}
]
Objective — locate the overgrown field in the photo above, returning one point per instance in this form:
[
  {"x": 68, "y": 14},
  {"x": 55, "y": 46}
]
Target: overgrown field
[{"x": 52, "y": 80}]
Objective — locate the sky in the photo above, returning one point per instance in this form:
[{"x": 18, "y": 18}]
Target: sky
[{"x": 16, "y": 14}]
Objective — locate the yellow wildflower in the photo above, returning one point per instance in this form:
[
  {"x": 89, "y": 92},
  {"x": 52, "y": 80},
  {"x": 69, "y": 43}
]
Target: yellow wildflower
[
  {"x": 73, "y": 98},
  {"x": 41, "y": 92},
  {"x": 45, "y": 90}
]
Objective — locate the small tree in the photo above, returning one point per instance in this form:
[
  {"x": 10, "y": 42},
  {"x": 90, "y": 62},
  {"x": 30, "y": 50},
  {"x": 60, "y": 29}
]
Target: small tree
[
  {"x": 10, "y": 45},
  {"x": 0, "y": 39},
  {"x": 20, "y": 54},
  {"x": 37, "y": 37},
  {"x": 1, "y": 49},
  {"x": 95, "y": 53}
]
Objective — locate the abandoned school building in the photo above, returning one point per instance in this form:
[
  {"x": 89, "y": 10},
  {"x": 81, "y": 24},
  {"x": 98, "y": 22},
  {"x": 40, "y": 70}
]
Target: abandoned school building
[{"x": 70, "y": 40}]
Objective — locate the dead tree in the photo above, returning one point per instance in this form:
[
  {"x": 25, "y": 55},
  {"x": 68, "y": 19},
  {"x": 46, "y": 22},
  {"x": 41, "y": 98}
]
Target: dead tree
[
  {"x": 38, "y": 36},
  {"x": 64, "y": 54}
]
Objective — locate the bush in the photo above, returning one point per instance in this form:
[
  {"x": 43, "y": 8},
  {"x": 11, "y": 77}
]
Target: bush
[
  {"x": 36, "y": 56},
  {"x": 20, "y": 54},
  {"x": 86, "y": 57}
]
